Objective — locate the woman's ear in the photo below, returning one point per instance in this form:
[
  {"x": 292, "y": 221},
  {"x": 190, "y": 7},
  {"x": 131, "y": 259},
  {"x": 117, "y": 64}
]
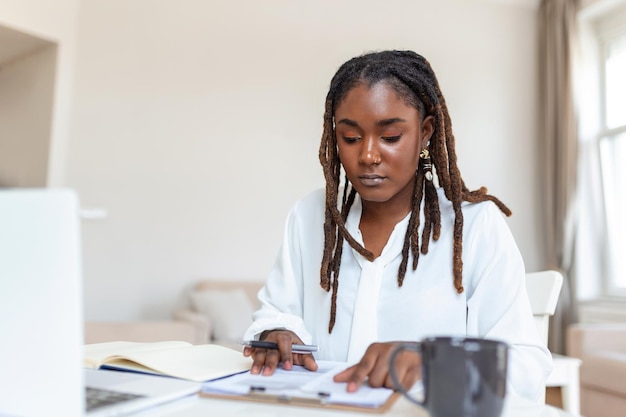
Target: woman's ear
[{"x": 427, "y": 129}]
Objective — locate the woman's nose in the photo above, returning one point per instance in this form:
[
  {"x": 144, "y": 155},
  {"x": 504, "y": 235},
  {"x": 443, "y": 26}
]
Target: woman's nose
[{"x": 370, "y": 154}]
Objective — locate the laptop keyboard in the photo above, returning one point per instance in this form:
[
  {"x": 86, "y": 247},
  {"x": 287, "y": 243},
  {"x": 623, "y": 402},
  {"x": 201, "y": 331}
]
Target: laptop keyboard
[{"x": 97, "y": 397}]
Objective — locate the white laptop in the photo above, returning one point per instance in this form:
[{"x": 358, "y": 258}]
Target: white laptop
[{"x": 41, "y": 319}]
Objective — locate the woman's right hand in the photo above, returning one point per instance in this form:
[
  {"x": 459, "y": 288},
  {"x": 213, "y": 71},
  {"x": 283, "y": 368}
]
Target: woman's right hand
[{"x": 266, "y": 360}]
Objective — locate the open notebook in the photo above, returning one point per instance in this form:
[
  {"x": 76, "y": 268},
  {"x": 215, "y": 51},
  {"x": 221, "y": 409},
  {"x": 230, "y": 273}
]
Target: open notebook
[{"x": 41, "y": 354}]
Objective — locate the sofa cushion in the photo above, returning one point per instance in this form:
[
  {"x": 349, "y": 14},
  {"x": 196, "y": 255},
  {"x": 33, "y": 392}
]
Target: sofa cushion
[
  {"x": 605, "y": 370},
  {"x": 250, "y": 288},
  {"x": 230, "y": 311}
]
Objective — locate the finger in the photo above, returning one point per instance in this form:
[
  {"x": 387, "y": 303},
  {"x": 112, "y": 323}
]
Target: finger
[
  {"x": 247, "y": 351},
  {"x": 407, "y": 377},
  {"x": 414, "y": 373},
  {"x": 344, "y": 375},
  {"x": 258, "y": 361},
  {"x": 284, "y": 350},
  {"x": 285, "y": 340},
  {"x": 407, "y": 368},
  {"x": 411, "y": 377},
  {"x": 309, "y": 362},
  {"x": 271, "y": 362},
  {"x": 378, "y": 372},
  {"x": 357, "y": 374}
]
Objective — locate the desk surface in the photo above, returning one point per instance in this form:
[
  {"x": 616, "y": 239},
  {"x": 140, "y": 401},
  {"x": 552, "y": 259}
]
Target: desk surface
[{"x": 203, "y": 407}]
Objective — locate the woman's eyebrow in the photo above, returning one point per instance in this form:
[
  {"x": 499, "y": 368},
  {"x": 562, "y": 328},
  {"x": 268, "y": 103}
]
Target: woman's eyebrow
[
  {"x": 387, "y": 122},
  {"x": 348, "y": 122},
  {"x": 382, "y": 123}
]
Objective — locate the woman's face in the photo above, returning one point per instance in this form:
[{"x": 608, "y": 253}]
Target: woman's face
[{"x": 379, "y": 137}]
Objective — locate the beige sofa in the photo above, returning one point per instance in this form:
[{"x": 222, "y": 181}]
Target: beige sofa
[
  {"x": 602, "y": 348},
  {"x": 220, "y": 310},
  {"x": 215, "y": 311},
  {"x": 143, "y": 331}
]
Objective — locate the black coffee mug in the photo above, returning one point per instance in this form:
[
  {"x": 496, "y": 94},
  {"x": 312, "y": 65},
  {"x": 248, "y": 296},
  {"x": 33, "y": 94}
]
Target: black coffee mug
[{"x": 461, "y": 376}]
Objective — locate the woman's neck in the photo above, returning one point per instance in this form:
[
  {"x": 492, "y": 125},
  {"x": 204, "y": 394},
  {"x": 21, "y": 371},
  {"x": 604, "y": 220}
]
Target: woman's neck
[
  {"x": 378, "y": 220},
  {"x": 390, "y": 211}
]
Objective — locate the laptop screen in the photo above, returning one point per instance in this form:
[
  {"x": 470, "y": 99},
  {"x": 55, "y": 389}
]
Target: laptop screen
[{"x": 40, "y": 303}]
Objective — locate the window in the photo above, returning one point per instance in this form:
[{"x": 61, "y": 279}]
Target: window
[
  {"x": 615, "y": 85},
  {"x": 612, "y": 146}
]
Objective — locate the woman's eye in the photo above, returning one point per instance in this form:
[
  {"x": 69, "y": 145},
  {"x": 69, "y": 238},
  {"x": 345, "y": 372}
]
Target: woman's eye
[
  {"x": 350, "y": 139},
  {"x": 392, "y": 139}
]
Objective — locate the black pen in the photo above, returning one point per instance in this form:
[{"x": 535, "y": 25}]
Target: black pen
[{"x": 271, "y": 345}]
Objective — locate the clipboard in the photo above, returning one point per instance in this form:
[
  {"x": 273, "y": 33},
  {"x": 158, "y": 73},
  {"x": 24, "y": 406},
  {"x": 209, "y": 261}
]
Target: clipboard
[
  {"x": 300, "y": 387},
  {"x": 304, "y": 401}
]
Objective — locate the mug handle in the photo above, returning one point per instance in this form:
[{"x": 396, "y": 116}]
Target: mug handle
[{"x": 416, "y": 347}]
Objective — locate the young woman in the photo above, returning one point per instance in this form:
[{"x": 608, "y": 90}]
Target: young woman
[{"x": 408, "y": 250}]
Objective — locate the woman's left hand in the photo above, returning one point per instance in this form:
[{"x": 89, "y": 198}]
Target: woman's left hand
[{"x": 374, "y": 366}]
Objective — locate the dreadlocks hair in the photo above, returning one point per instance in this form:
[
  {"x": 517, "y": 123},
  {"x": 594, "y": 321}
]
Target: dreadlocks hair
[{"x": 413, "y": 79}]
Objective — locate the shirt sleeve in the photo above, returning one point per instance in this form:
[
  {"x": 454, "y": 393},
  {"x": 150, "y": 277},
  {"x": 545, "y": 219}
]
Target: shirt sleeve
[
  {"x": 282, "y": 296},
  {"x": 498, "y": 306}
]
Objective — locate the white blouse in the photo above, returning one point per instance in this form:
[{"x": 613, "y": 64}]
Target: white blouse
[{"x": 371, "y": 307}]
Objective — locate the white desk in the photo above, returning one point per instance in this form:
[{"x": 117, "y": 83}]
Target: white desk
[{"x": 203, "y": 407}]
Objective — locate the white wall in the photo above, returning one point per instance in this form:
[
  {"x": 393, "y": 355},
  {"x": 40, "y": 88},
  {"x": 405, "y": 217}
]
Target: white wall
[
  {"x": 26, "y": 103},
  {"x": 196, "y": 126},
  {"x": 54, "y": 21}
]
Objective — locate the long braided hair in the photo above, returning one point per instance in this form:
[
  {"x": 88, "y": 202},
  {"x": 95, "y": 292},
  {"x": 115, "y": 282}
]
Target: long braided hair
[{"x": 413, "y": 79}]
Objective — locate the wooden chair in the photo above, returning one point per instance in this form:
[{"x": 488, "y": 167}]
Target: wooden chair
[{"x": 543, "y": 290}]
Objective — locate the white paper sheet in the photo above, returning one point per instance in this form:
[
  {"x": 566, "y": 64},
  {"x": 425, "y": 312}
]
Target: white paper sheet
[{"x": 301, "y": 384}]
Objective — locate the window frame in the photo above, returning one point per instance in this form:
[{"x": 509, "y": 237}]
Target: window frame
[{"x": 608, "y": 29}]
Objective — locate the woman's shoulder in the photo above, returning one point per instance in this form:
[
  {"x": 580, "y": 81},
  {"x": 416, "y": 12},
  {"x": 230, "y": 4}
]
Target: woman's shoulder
[
  {"x": 314, "y": 198},
  {"x": 311, "y": 203}
]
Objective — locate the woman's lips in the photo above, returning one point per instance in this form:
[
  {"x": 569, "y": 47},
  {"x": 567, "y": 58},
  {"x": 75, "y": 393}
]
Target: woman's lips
[{"x": 371, "y": 180}]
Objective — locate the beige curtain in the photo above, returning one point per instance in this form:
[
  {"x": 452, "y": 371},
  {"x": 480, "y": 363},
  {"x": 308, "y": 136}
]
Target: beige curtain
[{"x": 558, "y": 151}]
